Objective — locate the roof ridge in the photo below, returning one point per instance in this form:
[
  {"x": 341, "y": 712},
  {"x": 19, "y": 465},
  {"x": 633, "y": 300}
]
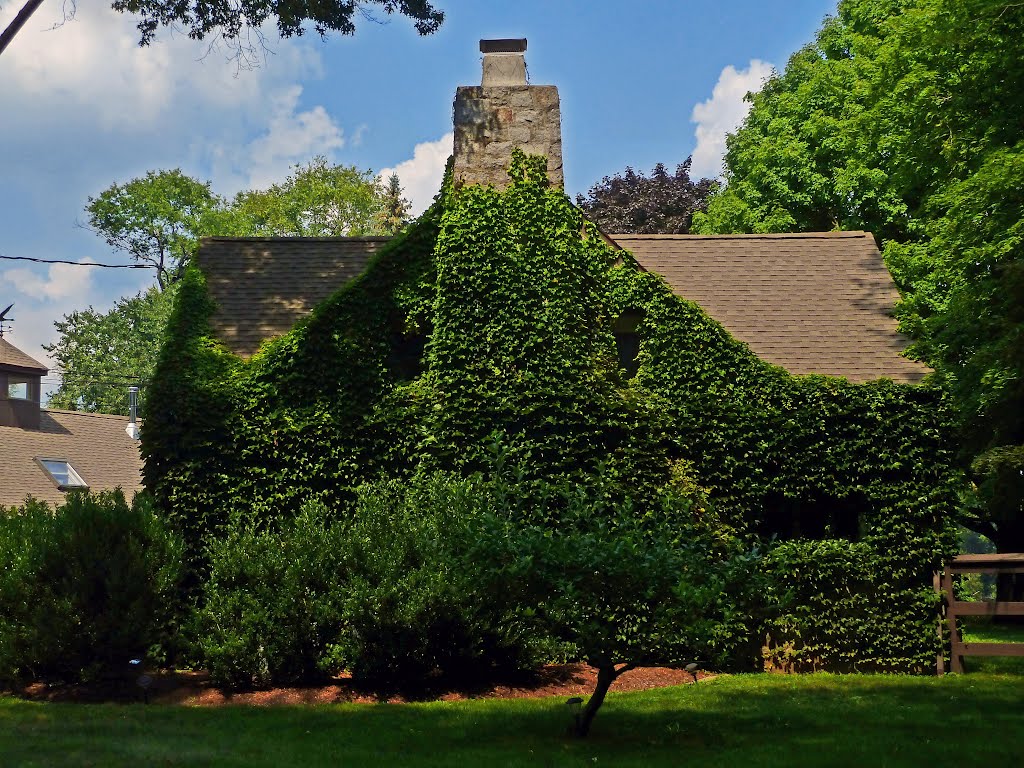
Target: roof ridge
[
  {"x": 90, "y": 414},
  {"x": 849, "y": 233},
  {"x": 292, "y": 239}
]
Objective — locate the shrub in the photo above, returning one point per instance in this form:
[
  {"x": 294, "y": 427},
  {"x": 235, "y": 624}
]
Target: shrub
[
  {"x": 86, "y": 587},
  {"x": 271, "y": 603},
  {"x": 422, "y": 598}
]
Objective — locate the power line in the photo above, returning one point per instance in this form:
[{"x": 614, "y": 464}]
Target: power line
[
  {"x": 78, "y": 263},
  {"x": 93, "y": 380}
]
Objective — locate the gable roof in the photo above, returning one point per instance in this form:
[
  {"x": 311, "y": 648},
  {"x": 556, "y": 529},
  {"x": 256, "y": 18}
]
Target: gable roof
[
  {"x": 96, "y": 445},
  {"x": 818, "y": 302},
  {"x": 263, "y": 286},
  {"x": 12, "y": 357}
]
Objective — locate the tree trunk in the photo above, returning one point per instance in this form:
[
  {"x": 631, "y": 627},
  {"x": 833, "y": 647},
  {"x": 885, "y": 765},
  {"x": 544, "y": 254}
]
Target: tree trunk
[
  {"x": 19, "y": 21},
  {"x": 605, "y": 677}
]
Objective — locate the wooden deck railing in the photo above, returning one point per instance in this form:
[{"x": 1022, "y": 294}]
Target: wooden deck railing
[{"x": 953, "y": 608}]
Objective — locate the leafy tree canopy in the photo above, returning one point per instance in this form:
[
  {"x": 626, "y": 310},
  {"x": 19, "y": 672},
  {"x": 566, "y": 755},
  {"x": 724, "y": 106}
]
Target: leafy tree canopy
[
  {"x": 661, "y": 203},
  {"x": 101, "y": 354},
  {"x": 156, "y": 219},
  {"x": 316, "y": 200},
  {"x": 237, "y": 24},
  {"x": 159, "y": 219},
  {"x": 905, "y": 118}
]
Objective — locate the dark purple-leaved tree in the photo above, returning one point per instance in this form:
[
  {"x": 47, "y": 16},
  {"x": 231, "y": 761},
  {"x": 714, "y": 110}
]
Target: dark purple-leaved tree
[{"x": 659, "y": 204}]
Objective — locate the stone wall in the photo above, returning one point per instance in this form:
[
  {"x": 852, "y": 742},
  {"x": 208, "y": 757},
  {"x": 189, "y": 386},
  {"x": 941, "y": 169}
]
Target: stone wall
[{"x": 491, "y": 120}]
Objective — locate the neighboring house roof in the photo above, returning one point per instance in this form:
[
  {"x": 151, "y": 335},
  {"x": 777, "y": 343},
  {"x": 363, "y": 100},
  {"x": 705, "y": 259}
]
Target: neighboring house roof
[
  {"x": 818, "y": 302},
  {"x": 811, "y": 303},
  {"x": 263, "y": 286},
  {"x": 12, "y": 357},
  {"x": 95, "y": 445}
]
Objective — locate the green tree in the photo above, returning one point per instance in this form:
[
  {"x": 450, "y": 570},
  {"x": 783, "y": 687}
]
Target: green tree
[
  {"x": 156, "y": 219},
  {"x": 101, "y": 354},
  {"x": 904, "y": 118},
  {"x": 626, "y": 588},
  {"x": 159, "y": 219},
  {"x": 395, "y": 212},
  {"x": 316, "y": 200},
  {"x": 238, "y": 24}
]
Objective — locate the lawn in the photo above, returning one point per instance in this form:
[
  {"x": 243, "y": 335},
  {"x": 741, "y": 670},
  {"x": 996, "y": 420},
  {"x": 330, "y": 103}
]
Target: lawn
[
  {"x": 983, "y": 631},
  {"x": 743, "y": 720}
]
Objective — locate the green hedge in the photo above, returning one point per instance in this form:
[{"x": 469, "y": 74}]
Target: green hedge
[
  {"x": 85, "y": 587},
  {"x": 517, "y": 296}
]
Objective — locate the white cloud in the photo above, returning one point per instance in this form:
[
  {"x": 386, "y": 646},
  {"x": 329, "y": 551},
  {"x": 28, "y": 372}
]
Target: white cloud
[
  {"x": 61, "y": 282},
  {"x": 422, "y": 175},
  {"x": 291, "y": 137},
  {"x": 90, "y": 72},
  {"x": 723, "y": 113},
  {"x": 42, "y": 295}
]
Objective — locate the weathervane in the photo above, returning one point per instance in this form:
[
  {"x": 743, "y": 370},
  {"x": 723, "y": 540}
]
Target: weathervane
[{"x": 5, "y": 319}]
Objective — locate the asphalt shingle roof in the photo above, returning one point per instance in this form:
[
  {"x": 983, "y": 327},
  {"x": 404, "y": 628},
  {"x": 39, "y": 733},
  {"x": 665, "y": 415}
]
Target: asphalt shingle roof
[
  {"x": 263, "y": 286},
  {"x": 96, "y": 445},
  {"x": 816, "y": 302},
  {"x": 12, "y": 357},
  {"x": 812, "y": 303}
]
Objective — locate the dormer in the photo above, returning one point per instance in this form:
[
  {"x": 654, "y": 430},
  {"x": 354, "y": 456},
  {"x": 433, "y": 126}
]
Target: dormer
[{"x": 20, "y": 387}]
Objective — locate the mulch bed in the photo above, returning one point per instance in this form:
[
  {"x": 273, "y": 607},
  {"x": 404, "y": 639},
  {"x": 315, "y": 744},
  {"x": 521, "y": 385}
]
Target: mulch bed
[{"x": 195, "y": 689}]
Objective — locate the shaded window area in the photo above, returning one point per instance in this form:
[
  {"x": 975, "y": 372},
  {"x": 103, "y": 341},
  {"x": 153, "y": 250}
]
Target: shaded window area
[
  {"x": 18, "y": 387},
  {"x": 63, "y": 474},
  {"x": 817, "y": 517},
  {"x": 405, "y": 361},
  {"x": 627, "y": 340}
]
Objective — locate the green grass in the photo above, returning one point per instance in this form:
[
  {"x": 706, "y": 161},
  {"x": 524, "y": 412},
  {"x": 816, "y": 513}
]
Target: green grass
[
  {"x": 745, "y": 720},
  {"x": 984, "y": 631}
]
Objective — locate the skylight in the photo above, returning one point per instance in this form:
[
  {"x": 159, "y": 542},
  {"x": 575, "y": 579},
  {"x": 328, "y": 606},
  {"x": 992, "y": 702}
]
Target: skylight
[{"x": 63, "y": 474}]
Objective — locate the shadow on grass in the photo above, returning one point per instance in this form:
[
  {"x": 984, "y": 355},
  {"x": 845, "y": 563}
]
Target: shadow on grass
[{"x": 756, "y": 720}]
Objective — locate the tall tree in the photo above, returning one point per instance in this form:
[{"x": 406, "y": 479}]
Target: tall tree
[
  {"x": 157, "y": 219},
  {"x": 395, "y": 212},
  {"x": 316, "y": 200},
  {"x": 239, "y": 23},
  {"x": 101, "y": 354},
  {"x": 662, "y": 203},
  {"x": 905, "y": 118}
]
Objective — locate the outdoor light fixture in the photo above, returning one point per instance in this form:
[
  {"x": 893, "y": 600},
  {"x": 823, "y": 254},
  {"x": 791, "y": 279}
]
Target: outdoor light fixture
[
  {"x": 692, "y": 668},
  {"x": 144, "y": 681},
  {"x": 575, "y": 704}
]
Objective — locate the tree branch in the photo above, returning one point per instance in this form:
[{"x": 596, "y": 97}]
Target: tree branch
[{"x": 19, "y": 21}]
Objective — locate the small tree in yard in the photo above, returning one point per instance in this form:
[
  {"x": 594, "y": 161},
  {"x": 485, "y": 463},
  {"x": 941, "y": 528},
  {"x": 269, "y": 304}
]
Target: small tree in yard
[{"x": 629, "y": 590}]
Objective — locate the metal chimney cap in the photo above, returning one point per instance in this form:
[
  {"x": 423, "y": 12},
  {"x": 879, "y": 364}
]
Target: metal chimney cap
[{"x": 506, "y": 45}]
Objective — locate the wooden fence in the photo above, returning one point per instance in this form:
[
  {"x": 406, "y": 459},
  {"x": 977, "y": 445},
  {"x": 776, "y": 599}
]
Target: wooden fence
[{"x": 953, "y": 608}]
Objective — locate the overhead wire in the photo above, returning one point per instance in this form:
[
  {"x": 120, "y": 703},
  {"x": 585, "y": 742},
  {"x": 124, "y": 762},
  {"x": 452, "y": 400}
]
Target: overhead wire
[{"x": 78, "y": 263}]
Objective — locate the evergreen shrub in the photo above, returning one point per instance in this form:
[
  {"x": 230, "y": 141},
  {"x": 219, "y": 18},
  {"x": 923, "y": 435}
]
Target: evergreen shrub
[
  {"x": 85, "y": 587},
  {"x": 391, "y": 591},
  {"x": 423, "y": 598},
  {"x": 272, "y": 601}
]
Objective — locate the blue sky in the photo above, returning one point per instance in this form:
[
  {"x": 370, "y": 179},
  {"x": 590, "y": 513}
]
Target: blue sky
[{"x": 84, "y": 107}]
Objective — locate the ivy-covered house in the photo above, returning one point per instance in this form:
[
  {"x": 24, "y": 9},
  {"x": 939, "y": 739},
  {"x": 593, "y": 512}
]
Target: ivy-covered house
[{"x": 765, "y": 371}]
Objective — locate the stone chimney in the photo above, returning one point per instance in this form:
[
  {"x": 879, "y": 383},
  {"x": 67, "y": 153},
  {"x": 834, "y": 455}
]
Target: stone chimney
[{"x": 503, "y": 112}]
